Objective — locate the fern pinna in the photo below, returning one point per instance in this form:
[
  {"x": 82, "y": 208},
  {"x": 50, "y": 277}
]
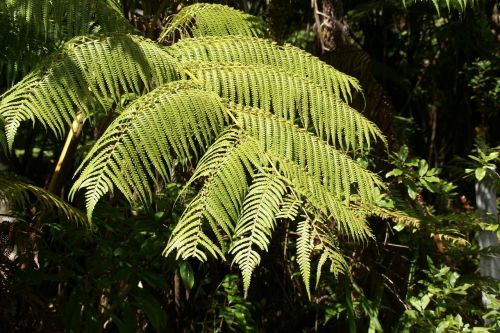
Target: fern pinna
[{"x": 267, "y": 127}]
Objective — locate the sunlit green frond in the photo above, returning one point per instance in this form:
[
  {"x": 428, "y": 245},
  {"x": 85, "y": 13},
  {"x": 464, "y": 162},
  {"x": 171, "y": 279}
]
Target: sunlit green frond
[
  {"x": 226, "y": 167},
  {"x": 327, "y": 244},
  {"x": 33, "y": 28},
  {"x": 173, "y": 121},
  {"x": 337, "y": 171},
  {"x": 305, "y": 245},
  {"x": 87, "y": 74},
  {"x": 250, "y": 50},
  {"x": 203, "y": 19},
  {"x": 285, "y": 93},
  {"x": 349, "y": 220},
  {"x": 256, "y": 224},
  {"x": 25, "y": 195}
]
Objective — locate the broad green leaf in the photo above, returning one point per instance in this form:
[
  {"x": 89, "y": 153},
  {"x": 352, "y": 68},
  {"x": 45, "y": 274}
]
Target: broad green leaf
[
  {"x": 187, "y": 274},
  {"x": 480, "y": 173},
  {"x": 422, "y": 167}
]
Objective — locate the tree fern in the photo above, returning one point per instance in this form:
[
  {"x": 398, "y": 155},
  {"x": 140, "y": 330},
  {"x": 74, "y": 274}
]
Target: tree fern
[
  {"x": 267, "y": 127},
  {"x": 202, "y": 19},
  {"x": 290, "y": 206},
  {"x": 350, "y": 221},
  {"x": 337, "y": 171}
]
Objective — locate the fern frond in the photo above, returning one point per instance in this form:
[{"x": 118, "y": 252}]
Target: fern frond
[
  {"x": 87, "y": 74},
  {"x": 203, "y": 19},
  {"x": 225, "y": 166},
  {"x": 256, "y": 224},
  {"x": 305, "y": 245},
  {"x": 337, "y": 171},
  {"x": 51, "y": 18},
  {"x": 250, "y": 50},
  {"x": 284, "y": 92},
  {"x": 350, "y": 221},
  {"x": 326, "y": 243},
  {"x": 173, "y": 121},
  {"x": 33, "y": 28},
  {"x": 19, "y": 193}
]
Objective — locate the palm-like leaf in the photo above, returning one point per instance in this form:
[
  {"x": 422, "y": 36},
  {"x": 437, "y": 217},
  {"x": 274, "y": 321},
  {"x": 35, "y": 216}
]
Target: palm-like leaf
[
  {"x": 337, "y": 170},
  {"x": 225, "y": 166},
  {"x": 350, "y": 220},
  {"x": 305, "y": 245}
]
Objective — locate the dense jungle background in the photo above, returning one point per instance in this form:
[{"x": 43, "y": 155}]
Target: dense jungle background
[{"x": 138, "y": 241}]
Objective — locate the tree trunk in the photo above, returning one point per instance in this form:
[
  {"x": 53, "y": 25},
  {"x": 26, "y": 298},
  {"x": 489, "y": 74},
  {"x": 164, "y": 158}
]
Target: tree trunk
[{"x": 487, "y": 210}]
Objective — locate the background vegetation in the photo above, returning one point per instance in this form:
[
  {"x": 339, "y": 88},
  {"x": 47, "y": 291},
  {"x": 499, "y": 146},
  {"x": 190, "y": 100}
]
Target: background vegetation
[{"x": 429, "y": 75}]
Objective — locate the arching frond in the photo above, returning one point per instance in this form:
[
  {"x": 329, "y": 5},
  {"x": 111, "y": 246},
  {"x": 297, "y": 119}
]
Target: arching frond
[
  {"x": 173, "y": 121},
  {"x": 283, "y": 92},
  {"x": 249, "y": 50},
  {"x": 217, "y": 206},
  {"x": 87, "y": 74},
  {"x": 22, "y": 194},
  {"x": 256, "y": 224},
  {"x": 305, "y": 245},
  {"x": 337, "y": 171},
  {"x": 33, "y": 28},
  {"x": 203, "y": 19}
]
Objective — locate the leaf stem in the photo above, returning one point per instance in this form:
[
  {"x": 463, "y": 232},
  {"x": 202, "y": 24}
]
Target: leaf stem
[{"x": 67, "y": 152}]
